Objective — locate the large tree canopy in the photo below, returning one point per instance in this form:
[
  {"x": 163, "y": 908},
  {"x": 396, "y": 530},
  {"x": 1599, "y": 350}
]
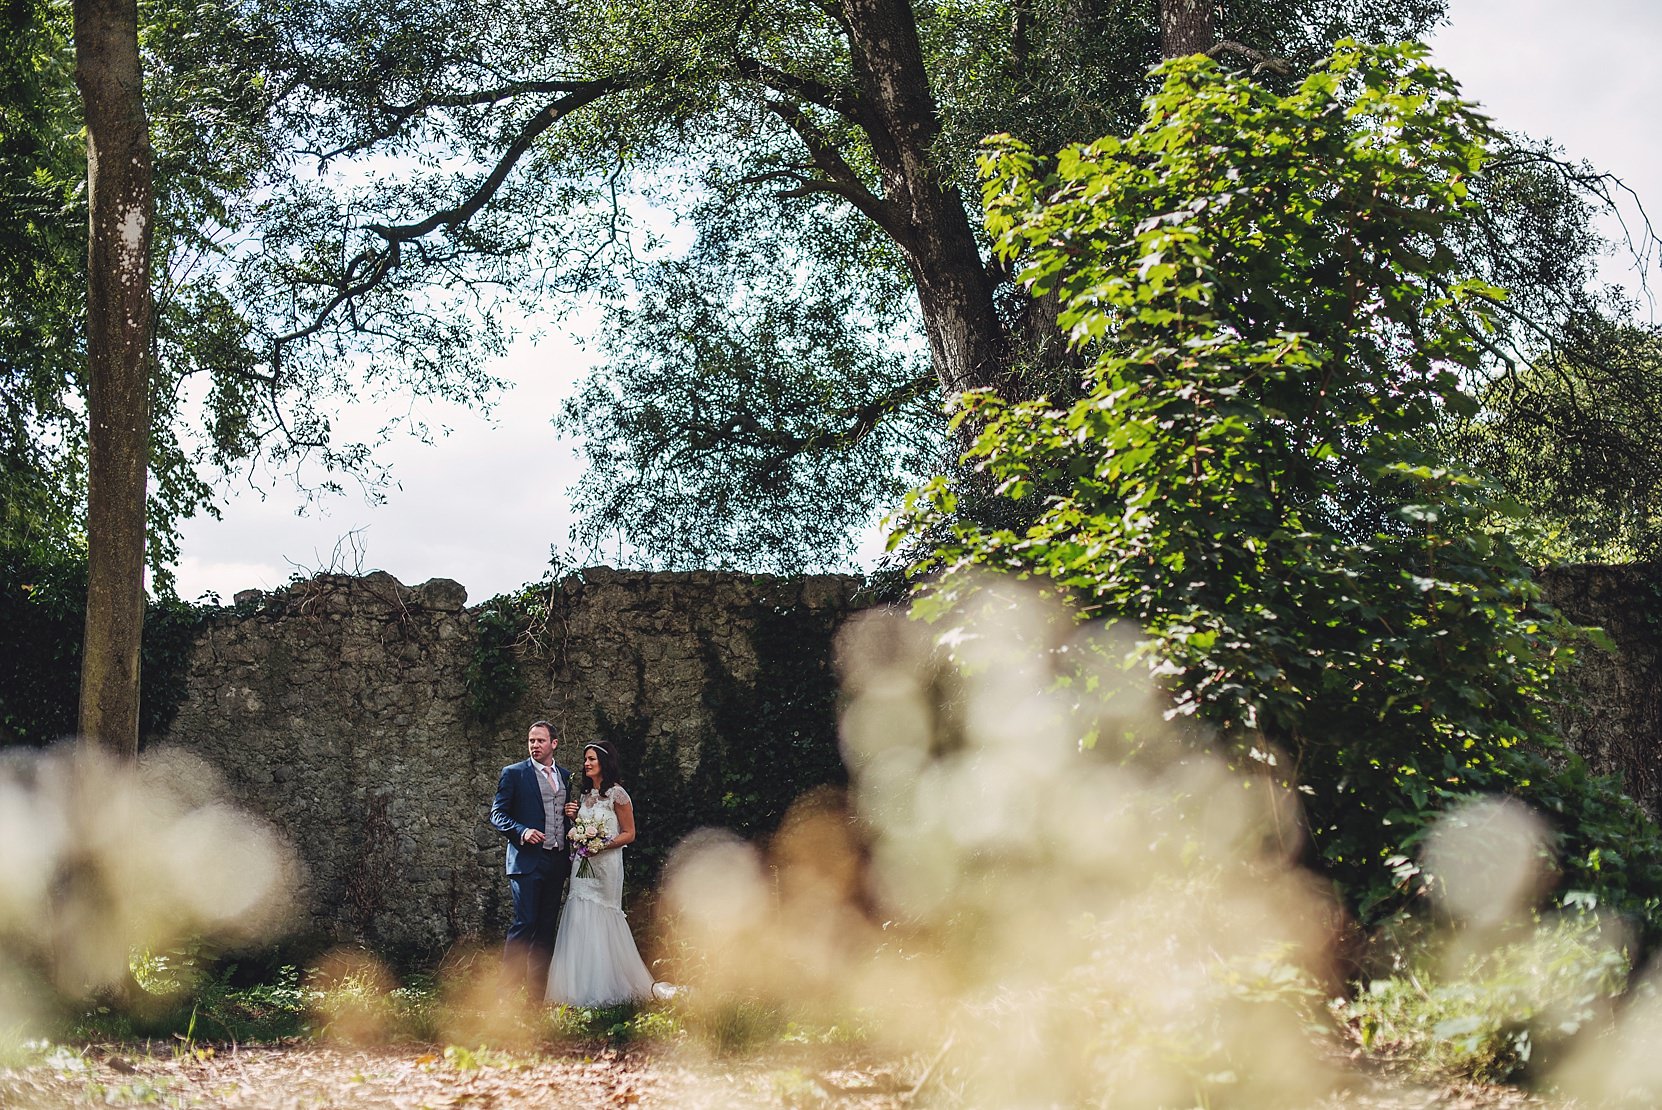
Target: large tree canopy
[
  {"x": 218, "y": 394},
  {"x": 766, "y": 200},
  {"x": 818, "y": 151}
]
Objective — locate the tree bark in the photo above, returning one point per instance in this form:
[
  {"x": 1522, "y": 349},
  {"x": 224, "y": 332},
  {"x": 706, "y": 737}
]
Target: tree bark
[
  {"x": 955, "y": 291},
  {"x": 119, "y": 329},
  {"x": 1186, "y": 28}
]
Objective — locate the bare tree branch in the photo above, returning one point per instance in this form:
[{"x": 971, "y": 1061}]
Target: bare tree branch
[
  {"x": 373, "y": 265},
  {"x": 840, "y": 178},
  {"x": 1644, "y": 244},
  {"x": 844, "y": 102},
  {"x": 397, "y": 116},
  {"x": 1260, "y": 60},
  {"x": 746, "y": 429},
  {"x": 542, "y": 121}
]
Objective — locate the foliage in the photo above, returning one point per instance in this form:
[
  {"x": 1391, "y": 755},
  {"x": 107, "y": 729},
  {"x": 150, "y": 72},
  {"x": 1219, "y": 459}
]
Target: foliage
[
  {"x": 773, "y": 733},
  {"x": 1269, "y": 289},
  {"x": 777, "y": 731},
  {"x": 222, "y": 395},
  {"x": 494, "y": 678},
  {"x": 42, "y": 611},
  {"x": 748, "y": 417},
  {"x": 260, "y": 1012},
  {"x": 715, "y": 429},
  {"x": 186, "y": 998},
  {"x": 510, "y": 628},
  {"x": 1487, "y": 1013},
  {"x": 43, "y": 600},
  {"x": 1567, "y": 413},
  {"x": 204, "y": 1007},
  {"x": 618, "y": 1024},
  {"x": 775, "y": 337},
  {"x": 42, "y": 176},
  {"x": 1574, "y": 437},
  {"x": 773, "y": 739}
]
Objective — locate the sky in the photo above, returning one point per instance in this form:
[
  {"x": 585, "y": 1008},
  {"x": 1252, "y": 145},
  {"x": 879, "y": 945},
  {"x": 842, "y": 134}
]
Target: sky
[{"x": 484, "y": 504}]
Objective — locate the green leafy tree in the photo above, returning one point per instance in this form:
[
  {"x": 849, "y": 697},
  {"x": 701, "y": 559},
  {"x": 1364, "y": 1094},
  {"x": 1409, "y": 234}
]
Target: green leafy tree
[
  {"x": 133, "y": 377},
  {"x": 42, "y": 277},
  {"x": 220, "y": 394},
  {"x": 1569, "y": 415},
  {"x": 1574, "y": 439},
  {"x": 776, "y": 381},
  {"x": 43, "y": 249},
  {"x": 1269, "y": 288}
]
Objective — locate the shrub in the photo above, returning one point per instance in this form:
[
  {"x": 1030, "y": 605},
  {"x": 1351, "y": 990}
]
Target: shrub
[{"x": 1266, "y": 286}]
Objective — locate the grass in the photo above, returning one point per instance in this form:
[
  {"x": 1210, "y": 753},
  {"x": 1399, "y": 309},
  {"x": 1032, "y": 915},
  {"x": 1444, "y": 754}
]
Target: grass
[
  {"x": 1491, "y": 1009},
  {"x": 354, "y": 1002}
]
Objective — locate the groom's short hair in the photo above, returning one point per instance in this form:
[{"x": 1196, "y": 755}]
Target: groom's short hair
[{"x": 552, "y": 735}]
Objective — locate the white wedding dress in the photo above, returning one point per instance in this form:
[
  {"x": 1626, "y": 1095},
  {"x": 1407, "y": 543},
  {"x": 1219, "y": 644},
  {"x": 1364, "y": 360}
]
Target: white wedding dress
[{"x": 595, "y": 961}]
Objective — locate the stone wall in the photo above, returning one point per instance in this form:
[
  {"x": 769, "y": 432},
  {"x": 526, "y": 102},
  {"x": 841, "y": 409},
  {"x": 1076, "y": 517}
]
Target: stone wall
[
  {"x": 339, "y": 709},
  {"x": 1614, "y": 714}
]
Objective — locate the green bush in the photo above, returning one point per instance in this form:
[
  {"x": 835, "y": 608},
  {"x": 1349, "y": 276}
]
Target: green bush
[
  {"x": 1267, "y": 289},
  {"x": 619, "y": 1024}
]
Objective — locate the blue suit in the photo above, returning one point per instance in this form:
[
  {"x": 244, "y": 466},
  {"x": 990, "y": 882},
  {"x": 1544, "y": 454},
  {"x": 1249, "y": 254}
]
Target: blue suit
[{"x": 536, "y": 874}]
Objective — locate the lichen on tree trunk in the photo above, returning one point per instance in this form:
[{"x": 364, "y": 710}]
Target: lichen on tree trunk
[
  {"x": 119, "y": 329},
  {"x": 1186, "y": 27}
]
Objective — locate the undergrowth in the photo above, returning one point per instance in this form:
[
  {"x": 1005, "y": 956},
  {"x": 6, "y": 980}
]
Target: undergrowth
[{"x": 1495, "y": 1008}]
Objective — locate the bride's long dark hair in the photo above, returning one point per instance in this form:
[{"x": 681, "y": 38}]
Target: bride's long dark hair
[{"x": 610, "y": 775}]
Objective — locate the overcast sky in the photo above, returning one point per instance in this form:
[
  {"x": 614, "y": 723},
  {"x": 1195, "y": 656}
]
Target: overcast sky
[{"x": 483, "y": 505}]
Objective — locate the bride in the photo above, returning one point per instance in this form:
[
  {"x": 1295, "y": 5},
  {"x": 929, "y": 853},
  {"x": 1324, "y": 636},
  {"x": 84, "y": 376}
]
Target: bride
[{"x": 595, "y": 959}]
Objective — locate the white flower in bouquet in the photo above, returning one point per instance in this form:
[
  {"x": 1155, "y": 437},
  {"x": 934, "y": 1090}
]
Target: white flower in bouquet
[{"x": 587, "y": 837}]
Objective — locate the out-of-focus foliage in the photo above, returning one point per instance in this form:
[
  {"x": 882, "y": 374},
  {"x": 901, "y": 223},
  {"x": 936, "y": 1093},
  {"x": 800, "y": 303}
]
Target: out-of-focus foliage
[
  {"x": 1269, "y": 286},
  {"x": 1486, "y": 1011}
]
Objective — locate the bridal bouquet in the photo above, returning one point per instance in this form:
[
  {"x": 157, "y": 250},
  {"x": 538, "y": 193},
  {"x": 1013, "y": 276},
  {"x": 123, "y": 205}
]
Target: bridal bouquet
[{"x": 587, "y": 837}]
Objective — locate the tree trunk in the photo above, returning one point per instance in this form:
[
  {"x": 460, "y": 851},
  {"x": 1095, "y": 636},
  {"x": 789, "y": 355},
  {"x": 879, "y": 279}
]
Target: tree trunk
[
  {"x": 119, "y": 323},
  {"x": 954, "y": 290},
  {"x": 1186, "y": 28}
]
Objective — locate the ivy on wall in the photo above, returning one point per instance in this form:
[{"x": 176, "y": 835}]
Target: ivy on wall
[
  {"x": 42, "y": 615},
  {"x": 495, "y": 679},
  {"x": 778, "y": 733},
  {"x": 509, "y": 628},
  {"x": 772, "y": 739},
  {"x": 42, "y": 621}
]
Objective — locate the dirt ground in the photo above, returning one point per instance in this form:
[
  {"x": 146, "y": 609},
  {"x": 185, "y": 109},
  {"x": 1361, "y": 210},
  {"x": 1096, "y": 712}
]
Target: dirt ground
[
  {"x": 309, "y": 1075},
  {"x": 281, "y": 1078}
]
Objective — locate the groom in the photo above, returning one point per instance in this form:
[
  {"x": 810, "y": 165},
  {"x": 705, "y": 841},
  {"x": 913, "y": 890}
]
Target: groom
[{"x": 529, "y": 811}]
